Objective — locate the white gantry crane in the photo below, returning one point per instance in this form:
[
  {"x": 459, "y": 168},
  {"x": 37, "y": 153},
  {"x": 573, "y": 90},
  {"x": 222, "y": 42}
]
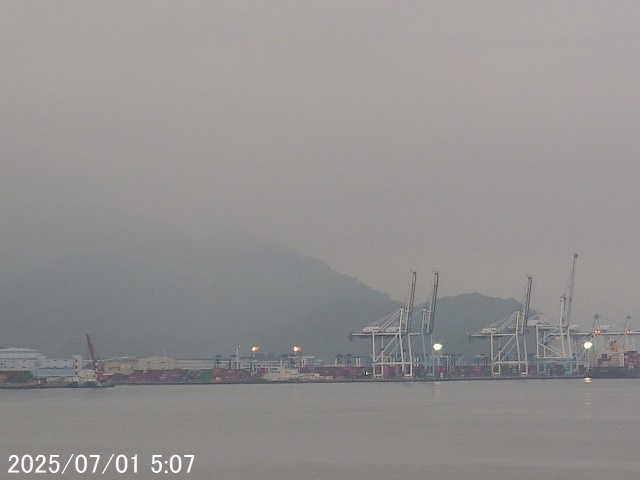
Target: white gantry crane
[
  {"x": 428, "y": 321},
  {"x": 507, "y": 339},
  {"x": 554, "y": 337},
  {"x": 391, "y": 338}
]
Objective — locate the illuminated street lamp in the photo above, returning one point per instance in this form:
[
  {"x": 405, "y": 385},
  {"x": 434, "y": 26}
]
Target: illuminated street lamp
[
  {"x": 587, "y": 346},
  {"x": 437, "y": 347},
  {"x": 254, "y": 349},
  {"x": 296, "y": 350}
]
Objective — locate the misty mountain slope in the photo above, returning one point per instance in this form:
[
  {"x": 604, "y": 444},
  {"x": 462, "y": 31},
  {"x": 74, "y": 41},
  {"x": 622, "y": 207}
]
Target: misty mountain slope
[
  {"x": 197, "y": 306},
  {"x": 140, "y": 289}
]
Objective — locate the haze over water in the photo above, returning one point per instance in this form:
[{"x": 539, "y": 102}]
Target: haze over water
[{"x": 494, "y": 430}]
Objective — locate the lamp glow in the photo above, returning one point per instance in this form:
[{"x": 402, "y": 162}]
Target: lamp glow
[
  {"x": 587, "y": 345},
  {"x": 437, "y": 347}
]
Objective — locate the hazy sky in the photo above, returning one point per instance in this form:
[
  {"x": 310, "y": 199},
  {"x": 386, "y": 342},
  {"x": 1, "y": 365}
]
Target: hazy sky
[{"x": 488, "y": 140}]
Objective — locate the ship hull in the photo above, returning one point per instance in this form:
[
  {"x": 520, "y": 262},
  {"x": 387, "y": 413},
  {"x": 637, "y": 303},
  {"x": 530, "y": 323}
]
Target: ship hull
[{"x": 614, "y": 372}]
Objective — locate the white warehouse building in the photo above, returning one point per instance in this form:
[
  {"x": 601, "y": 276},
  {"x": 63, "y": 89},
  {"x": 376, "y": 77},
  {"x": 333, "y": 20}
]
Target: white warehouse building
[
  {"x": 19, "y": 360},
  {"x": 27, "y": 360}
]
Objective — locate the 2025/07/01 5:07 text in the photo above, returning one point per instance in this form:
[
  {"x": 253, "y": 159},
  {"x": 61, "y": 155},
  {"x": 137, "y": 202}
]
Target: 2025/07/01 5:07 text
[{"x": 99, "y": 464}]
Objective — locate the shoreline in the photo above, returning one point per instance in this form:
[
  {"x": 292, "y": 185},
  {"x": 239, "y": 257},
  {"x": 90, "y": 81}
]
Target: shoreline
[{"x": 298, "y": 382}]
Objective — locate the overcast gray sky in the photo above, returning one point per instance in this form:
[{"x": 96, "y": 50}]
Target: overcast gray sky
[{"x": 489, "y": 140}]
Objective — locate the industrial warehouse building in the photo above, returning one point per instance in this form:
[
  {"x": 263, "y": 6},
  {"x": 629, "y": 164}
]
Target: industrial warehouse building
[{"x": 20, "y": 362}]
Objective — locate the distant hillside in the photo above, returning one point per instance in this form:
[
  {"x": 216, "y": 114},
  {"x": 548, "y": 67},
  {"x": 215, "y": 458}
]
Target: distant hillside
[
  {"x": 156, "y": 291},
  {"x": 272, "y": 298},
  {"x": 191, "y": 303}
]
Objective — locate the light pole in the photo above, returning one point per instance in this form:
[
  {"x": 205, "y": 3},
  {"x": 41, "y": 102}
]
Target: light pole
[
  {"x": 296, "y": 350},
  {"x": 254, "y": 349},
  {"x": 436, "y": 347},
  {"x": 587, "y": 346},
  {"x": 238, "y": 347}
]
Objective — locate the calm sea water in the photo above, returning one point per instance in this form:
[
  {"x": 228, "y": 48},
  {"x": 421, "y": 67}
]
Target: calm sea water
[{"x": 529, "y": 429}]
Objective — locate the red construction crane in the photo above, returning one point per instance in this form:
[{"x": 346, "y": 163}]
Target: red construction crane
[{"x": 97, "y": 367}]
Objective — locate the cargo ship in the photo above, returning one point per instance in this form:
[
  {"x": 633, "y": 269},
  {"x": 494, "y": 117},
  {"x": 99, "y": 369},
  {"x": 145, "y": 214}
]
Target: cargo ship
[{"x": 615, "y": 363}]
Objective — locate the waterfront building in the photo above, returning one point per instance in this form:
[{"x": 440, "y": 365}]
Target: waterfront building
[{"x": 25, "y": 361}]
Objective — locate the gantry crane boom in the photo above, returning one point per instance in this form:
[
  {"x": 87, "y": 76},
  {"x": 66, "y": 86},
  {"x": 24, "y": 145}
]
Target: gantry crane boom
[
  {"x": 410, "y": 301},
  {"x": 429, "y": 311},
  {"x": 525, "y": 307},
  {"x": 567, "y": 310}
]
